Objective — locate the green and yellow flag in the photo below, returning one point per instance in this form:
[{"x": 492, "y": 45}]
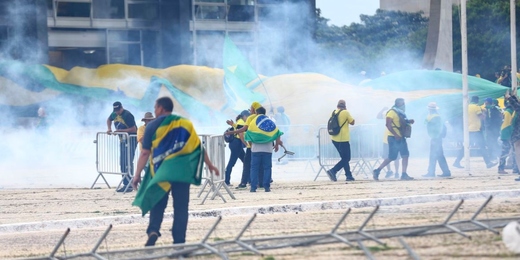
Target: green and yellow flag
[
  {"x": 176, "y": 156},
  {"x": 262, "y": 130}
]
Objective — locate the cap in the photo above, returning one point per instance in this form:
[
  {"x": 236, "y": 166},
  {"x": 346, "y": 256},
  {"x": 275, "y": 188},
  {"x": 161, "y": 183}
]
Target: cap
[
  {"x": 256, "y": 105},
  {"x": 117, "y": 105},
  {"x": 148, "y": 116},
  {"x": 342, "y": 103},
  {"x": 489, "y": 100},
  {"x": 432, "y": 105},
  {"x": 245, "y": 113}
]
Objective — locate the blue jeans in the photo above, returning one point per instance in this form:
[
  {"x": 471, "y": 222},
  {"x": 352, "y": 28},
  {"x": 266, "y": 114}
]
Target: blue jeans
[
  {"x": 123, "y": 158},
  {"x": 181, "y": 198},
  {"x": 237, "y": 152},
  {"x": 264, "y": 160},
  {"x": 344, "y": 153}
]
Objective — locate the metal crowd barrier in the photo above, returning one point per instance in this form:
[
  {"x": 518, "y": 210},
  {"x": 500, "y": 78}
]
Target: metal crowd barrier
[
  {"x": 216, "y": 149},
  {"x": 115, "y": 154},
  {"x": 365, "y": 149},
  {"x": 299, "y": 139}
]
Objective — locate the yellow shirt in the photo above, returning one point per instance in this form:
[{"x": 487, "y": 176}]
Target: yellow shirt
[
  {"x": 474, "y": 112},
  {"x": 344, "y": 118},
  {"x": 395, "y": 122},
  {"x": 140, "y": 135}
]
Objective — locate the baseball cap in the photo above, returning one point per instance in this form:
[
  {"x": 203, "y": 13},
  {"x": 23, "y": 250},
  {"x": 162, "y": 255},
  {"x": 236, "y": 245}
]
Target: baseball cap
[
  {"x": 256, "y": 105},
  {"x": 489, "y": 100},
  {"x": 117, "y": 105}
]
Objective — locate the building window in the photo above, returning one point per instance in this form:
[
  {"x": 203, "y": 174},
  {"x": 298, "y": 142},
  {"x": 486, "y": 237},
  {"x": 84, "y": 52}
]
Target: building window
[
  {"x": 241, "y": 10},
  {"x": 73, "y": 9},
  {"x": 109, "y": 9},
  {"x": 146, "y": 11}
]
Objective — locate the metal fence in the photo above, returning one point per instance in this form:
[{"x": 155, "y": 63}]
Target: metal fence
[
  {"x": 216, "y": 149},
  {"x": 354, "y": 238},
  {"x": 365, "y": 147},
  {"x": 300, "y": 139},
  {"x": 115, "y": 154}
]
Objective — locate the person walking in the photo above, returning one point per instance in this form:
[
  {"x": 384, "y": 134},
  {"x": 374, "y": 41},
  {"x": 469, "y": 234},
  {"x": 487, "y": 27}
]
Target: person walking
[
  {"x": 436, "y": 131},
  {"x": 505, "y": 136},
  {"x": 175, "y": 158},
  {"x": 396, "y": 123},
  {"x": 515, "y": 135},
  {"x": 493, "y": 123},
  {"x": 342, "y": 142},
  {"x": 124, "y": 122}
]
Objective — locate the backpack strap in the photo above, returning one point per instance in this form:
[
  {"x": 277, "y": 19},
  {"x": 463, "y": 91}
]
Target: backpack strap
[{"x": 341, "y": 126}]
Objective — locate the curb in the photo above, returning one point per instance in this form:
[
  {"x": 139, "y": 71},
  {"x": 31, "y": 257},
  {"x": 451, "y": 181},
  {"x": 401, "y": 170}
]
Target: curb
[{"x": 270, "y": 209}]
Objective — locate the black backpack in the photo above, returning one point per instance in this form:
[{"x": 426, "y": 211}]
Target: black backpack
[
  {"x": 228, "y": 138},
  {"x": 333, "y": 126}
]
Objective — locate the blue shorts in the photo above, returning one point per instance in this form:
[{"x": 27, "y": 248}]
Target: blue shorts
[{"x": 397, "y": 147}]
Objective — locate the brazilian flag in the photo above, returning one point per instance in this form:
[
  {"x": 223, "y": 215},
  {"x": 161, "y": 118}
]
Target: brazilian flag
[
  {"x": 262, "y": 130},
  {"x": 176, "y": 156}
]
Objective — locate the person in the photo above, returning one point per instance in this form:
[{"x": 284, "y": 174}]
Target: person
[
  {"x": 396, "y": 139},
  {"x": 42, "y": 124},
  {"x": 492, "y": 124},
  {"x": 505, "y": 136},
  {"x": 262, "y": 132},
  {"x": 342, "y": 142},
  {"x": 124, "y": 122},
  {"x": 475, "y": 117},
  {"x": 236, "y": 146},
  {"x": 246, "y": 171},
  {"x": 175, "y": 155},
  {"x": 148, "y": 116},
  {"x": 389, "y": 172},
  {"x": 515, "y": 135},
  {"x": 436, "y": 131}
]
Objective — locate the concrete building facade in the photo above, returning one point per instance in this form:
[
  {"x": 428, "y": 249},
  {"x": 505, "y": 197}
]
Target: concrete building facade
[{"x": 154, "y": 33}]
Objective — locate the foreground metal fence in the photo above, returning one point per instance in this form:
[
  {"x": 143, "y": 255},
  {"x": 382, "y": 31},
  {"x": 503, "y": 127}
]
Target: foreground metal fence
[
  {"x": 115, "y": 154},
  {"x": 353, "y": 238}
]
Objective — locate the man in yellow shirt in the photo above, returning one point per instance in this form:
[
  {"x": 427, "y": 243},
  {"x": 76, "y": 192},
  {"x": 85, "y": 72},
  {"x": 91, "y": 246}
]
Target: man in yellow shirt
[
  {"x": 342, "y": 142},
  {"x": 475, "y": 117},
  {"x": 148, "y": 116},
  {"x": 396, "y": 141}
]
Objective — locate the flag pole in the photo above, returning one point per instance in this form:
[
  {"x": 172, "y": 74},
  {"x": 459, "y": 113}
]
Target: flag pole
[
  {"x": 464, "y": 49},
  {"x": 513, "y": 46}
]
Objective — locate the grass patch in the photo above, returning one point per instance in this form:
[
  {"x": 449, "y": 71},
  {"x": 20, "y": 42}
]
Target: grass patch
[
  {"x": 268, "y": 258},
  {"x": 375, "y": 249}
]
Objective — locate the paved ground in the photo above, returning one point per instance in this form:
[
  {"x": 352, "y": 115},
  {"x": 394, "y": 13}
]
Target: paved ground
[{"x": 292, "y": 184}]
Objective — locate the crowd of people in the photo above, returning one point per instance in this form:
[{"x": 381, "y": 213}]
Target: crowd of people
[{"x": 257, "y": 133}]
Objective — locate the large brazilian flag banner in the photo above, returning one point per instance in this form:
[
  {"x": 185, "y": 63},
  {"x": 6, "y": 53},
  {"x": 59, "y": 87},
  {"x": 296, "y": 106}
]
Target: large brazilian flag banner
[{"x": 176, "y": 156}]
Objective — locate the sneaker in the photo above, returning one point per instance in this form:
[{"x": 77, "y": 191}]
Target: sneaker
[
  {"x": 251, "y": 190},
  {"x": 122, "y": 189},
  {"x": 457, "y": 165},
  {"x": 405, "y": 177},
  {"x": 444, "y": 175},
  {"x": 396, "y": 176},
  {"x": 517, "y": 179},
  {"x": 389, "y": 174},
  {"x": 241, "y": 186},
  {"x": 152, "y": 238},
  {"x": 429, "y": 175},
  {"x": 332, "y": 176},
  {"x": 375, "y": 174},
  {"x": 267, "y": 189},
  {"x": 350, "y": 178},
  {"x": 229, "y": 184},
  {"x": 491, "y": 164},
  {"x": 515, "y": 171},
  {"x": 501, "y": 171}
]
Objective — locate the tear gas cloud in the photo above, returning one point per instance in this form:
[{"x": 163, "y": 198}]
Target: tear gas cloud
[{"x": 66, "y": 149}]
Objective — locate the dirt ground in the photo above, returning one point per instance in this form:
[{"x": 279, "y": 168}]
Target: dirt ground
[{"x": 49, "y": 204}]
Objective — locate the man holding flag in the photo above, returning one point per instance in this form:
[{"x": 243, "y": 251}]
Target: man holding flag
[{"x": 174, "y": 157}]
